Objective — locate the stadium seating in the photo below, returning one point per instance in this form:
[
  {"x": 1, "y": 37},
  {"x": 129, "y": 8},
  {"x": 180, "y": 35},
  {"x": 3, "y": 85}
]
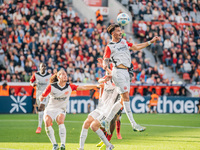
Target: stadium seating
[{"x": 183, "y": 31}]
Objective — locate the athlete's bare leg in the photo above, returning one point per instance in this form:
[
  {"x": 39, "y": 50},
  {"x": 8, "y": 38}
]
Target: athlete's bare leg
[
  {"x": 84, "y": 131},
  {"x": 62, "y": 130},
  {"x": 49, "y": 129},
  {"x": 95, "y": 126}
]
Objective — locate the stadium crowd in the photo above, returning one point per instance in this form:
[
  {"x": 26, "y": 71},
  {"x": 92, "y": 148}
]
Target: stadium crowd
[
  {"x": 53, "y": 33},
  {"x": 177, "y": 23}
]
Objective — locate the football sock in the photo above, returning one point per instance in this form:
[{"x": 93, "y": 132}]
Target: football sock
[
  {"x": 103, "y": 137},
  {"x": 116, "y": 107},
  {"x": 118, "y": 124},
  {"x": 50, "y": 134},
  {"x": 40, "y": 118},
  {"x": 83, "y": 137},
  {"x": 109, "y": 137},
  {"x": 62, "y": 133},
  {"x": 129, "y": 113}
]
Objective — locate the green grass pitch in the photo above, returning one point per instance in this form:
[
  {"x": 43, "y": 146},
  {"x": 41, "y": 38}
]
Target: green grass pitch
[{"x": 164, "y": 132}]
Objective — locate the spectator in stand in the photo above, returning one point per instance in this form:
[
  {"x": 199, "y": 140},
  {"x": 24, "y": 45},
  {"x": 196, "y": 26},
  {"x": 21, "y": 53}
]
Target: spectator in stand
[
  {"x": 79, "y": 75},
  {"x": 141, "y": 13},
  {"x": 155, "y": 13},
  {"x": 141, "y": 76},
  {"x": 4, "y": 89},
  {"x": 99, "y": 17},
  {"x": 167, "y": 56},
  {"x": 12, "y": 92},
  {"x": 151, "y": 80},
  {"x": 153, "y": 102},
  {"x": 161, "y": 71},
  {"x": 196, "y": 78},
  {"x": 167, "y": 43},
  {"x": 22, "y": 92},
  {"x": 174, "y": 62},
  {"x": 186, "y": 67},
  {"x": 179, "y": 18},
  {"x": 2, "y": 55}
]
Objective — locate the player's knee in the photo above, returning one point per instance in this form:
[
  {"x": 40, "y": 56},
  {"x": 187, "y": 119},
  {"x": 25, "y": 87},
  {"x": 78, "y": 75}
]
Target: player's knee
[
  {"x": 87, "y": 124},
  {"x": 47, "y": 122},
  {"x": 94, "y": 127},
  {"x": 60, "y": 121}
]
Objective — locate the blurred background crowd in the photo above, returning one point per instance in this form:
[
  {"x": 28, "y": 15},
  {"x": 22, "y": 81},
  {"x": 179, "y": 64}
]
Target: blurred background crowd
[{"x": 52, "y": 32}]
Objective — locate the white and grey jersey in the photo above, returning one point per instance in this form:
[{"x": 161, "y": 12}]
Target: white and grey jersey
[
  {"x": 119, "y": 53},
  {"x": 42, "y": 81}
]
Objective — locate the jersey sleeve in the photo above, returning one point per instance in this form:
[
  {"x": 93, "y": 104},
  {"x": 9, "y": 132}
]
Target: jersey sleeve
[
  {"x": 104, "y": 76},
  {"x": 129, "y": 44},
  {"x": 107, "y": 52},
  {"x": 33, "y": 78},
  {"x": 47, "y": 91},
  {"x": 73, "y": 87}
]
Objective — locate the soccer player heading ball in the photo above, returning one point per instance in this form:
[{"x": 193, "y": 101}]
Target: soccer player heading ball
[{"x": 118, "y": 50}]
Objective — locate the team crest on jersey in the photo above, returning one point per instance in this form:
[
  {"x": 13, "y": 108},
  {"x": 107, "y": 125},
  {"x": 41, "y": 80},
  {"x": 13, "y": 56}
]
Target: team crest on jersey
[
  {"x": 66, "y": 92},
  {"x": 125, "y": 88},
  {"x": 47, "y": 80},
  {"x": 122, "y": 42}
]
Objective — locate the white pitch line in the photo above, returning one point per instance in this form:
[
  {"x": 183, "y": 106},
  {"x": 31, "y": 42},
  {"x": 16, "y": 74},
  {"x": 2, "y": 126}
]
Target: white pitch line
[
  {"x": 9, "y": 149},
  {"x": 151, "y": 125}
]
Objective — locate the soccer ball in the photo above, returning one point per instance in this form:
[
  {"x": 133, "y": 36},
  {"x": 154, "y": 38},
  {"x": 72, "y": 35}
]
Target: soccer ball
[{"x": 123, "y": 19}]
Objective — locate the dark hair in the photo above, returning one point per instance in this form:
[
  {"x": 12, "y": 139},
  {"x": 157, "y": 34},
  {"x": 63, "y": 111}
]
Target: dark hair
[
  {"x": 153, "y": 90},
  {"x": 112, "y": 27},
  {"x": 4, "y": 84}
]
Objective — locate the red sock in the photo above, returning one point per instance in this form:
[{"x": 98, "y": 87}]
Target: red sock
[
  {"x": 106, "y": 134},
  {"x": 118, "y": 123},
  {"x": 109, "y": 137}
]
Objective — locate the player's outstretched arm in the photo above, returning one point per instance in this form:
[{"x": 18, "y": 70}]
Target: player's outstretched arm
[
  {"x": 107, "y": 78},
  {"x": 143, "y": 45},
  {"x": 86, "y": 87}
]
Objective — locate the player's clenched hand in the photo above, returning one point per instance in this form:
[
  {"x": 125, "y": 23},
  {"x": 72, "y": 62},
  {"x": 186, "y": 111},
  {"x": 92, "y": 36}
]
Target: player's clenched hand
[
  {"x": 41, "y": 98},
  {"x": 100, "y": 62},
  {"x": 156, "y": 38},
  {"x": 105, "y": 67}
]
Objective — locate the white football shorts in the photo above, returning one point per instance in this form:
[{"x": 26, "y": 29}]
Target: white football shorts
[
  {"x": 95, "y": 113},
  {"x": 54, "y": 113},
  {"x": 121, "y": 79}
]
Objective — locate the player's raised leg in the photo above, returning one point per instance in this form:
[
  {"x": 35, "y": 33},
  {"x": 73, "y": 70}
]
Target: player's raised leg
[
  {"x": 112, "y": 128},
  {"x": 50, "y": 131},
  {"x": 95, "y": 126},
  {"x": 62, "y": 130}
]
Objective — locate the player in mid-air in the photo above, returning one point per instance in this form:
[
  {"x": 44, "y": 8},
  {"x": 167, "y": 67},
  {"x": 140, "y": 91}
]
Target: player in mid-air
[
  {"x": 40, "y": 79},
  {"x": 118, "y": 50},
  {"x": 59, "y": 91}
]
